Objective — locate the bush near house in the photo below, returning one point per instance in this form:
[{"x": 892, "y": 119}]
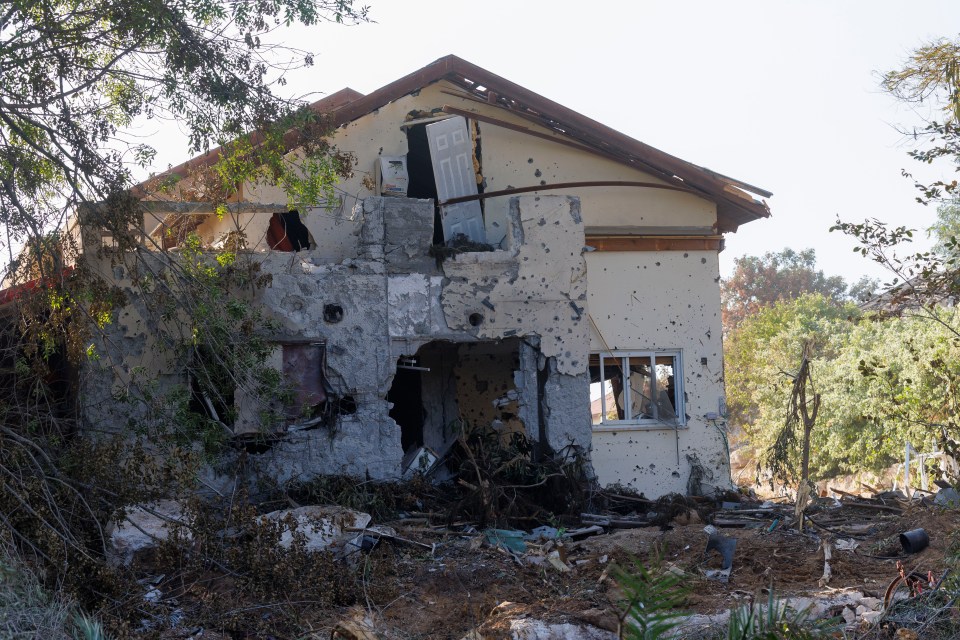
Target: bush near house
[{"x": 884, "y": 381}]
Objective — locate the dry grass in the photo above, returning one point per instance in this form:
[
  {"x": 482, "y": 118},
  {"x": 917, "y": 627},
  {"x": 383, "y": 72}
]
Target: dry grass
[{"x": 27, "y": 610}]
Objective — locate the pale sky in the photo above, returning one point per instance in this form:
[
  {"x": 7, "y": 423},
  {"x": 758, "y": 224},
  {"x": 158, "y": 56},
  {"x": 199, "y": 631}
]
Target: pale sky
[{"x": 783, "y": 95}]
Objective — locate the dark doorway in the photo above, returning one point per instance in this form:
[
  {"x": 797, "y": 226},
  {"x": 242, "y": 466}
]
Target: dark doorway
[
  {"x": 421, "y": 183},
  {"x": 406, "y": 395}
]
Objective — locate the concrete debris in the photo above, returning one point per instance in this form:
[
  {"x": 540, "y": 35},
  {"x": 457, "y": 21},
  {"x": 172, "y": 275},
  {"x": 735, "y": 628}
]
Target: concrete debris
[
  {"x": 947, "y": 497},
  {"x": 871, "y": 617},
  {"x": 323, "y": 527},
  {"x": 510, "y": 621},
  {"x": 143, "y": 528},
  {"x": 554, "y": 559},
  {"x": 846, "y": 544}
]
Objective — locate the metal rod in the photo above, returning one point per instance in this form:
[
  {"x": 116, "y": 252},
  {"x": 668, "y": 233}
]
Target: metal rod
[{"x": 566, "y": 185}]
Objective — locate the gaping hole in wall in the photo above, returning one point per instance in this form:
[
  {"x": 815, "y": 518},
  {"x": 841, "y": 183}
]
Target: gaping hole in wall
[
  {"x": 447, "y": 388},
  {"x": 332, "y": 313},
  {"x": 254, "y": 443},
  {"x": 406, "y": 396},
  {"x": 286, "y": 232},
  {"x": 475, "y": 319},
  {"x": 345, "y": 406},
  {"x": 421, "y": 183}
]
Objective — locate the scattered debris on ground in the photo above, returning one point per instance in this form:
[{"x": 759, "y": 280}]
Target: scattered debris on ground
[{"x": 876, "y": 565}]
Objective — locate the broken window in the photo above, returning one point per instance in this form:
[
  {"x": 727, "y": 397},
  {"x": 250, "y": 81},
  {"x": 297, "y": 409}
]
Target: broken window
[
  {"x": 312, "y": 400},
  {"x": 641, "y": 388},
  {"x": 287, "y": 232}
]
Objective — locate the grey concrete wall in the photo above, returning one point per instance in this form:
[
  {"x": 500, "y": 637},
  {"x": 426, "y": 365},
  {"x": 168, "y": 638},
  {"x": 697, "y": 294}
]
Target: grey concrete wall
[{"x": 530, "y": 340}]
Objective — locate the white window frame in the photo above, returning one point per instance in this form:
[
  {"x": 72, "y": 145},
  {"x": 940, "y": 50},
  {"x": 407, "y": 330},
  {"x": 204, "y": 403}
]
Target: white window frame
[{"x": 607, "y": 424}]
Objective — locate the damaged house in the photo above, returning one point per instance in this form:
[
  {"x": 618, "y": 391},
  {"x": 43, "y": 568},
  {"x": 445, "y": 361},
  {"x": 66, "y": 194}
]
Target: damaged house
[{"x": 496, "y": 260}]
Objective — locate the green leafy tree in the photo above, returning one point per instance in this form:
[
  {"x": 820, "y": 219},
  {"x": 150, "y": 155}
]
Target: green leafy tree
[
  {"x": 77, "y": 76},
  {"x": 882, "y": 381},
  {"x": 767, "y": 346},
  {"x": 946, "y": 229},
  {"x": 76, "y": 73},
  {"x": 760, "y": 281}
]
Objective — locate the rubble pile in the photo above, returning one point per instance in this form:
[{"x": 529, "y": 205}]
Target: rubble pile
[{"x": 876, "y": 565}]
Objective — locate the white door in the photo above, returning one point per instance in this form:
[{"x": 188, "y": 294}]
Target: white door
[{"x": 451, "y": 152}]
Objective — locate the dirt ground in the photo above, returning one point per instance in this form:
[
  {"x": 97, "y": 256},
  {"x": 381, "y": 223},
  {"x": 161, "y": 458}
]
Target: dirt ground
[{"x": 454, "y": 590}]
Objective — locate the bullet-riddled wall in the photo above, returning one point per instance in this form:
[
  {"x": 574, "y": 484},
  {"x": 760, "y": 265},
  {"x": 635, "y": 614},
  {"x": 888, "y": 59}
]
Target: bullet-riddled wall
[
  {"x": 391, "y": 299},
  {"x": 661, "y": 301},
  {"x": 638, "y": 300}
]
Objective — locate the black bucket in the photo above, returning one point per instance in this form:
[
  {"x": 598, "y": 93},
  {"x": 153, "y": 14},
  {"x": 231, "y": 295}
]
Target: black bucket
[{"x": 914, "y": 541}]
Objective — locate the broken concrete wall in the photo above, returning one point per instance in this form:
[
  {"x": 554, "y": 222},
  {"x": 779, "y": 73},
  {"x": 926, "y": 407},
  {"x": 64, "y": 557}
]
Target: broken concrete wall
[
  {"x": 388, "y": 300},
  {"x": 542, "y": 284},
  {"x": 533, "y": 287},
  {"x": 645, "y": 300},
  {"x": 359, "y": 365},
  {"x": 540, "y": 292}
]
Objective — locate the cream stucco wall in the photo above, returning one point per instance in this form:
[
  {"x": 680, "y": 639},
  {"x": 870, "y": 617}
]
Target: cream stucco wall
[
  {"x": 651, "y": 301},
  {"x": 509, "y": 159}
]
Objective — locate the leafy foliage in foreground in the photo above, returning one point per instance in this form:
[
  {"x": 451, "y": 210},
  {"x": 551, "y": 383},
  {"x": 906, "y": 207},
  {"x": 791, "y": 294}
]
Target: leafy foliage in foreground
[
  {"x": 78, "y": 72},
  {"x": 650, "y": 603},
  {"x": 650, "y": 610},
  {"x": 776, "y": 621},
  {"x": 27, "y": 610},
  {"x": 77, "y": 75}
]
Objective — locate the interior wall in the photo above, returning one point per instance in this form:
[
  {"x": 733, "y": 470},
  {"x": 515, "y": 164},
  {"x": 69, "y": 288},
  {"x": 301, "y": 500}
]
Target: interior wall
[
  {"x": 484, "y": 373},
  {"x": 440, "y": 409}
]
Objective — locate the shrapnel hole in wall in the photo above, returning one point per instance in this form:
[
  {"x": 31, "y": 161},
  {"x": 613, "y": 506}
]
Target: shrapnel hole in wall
[
  {"x": 286, "y": 232},
  {"x": 332, "y": 313}
]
